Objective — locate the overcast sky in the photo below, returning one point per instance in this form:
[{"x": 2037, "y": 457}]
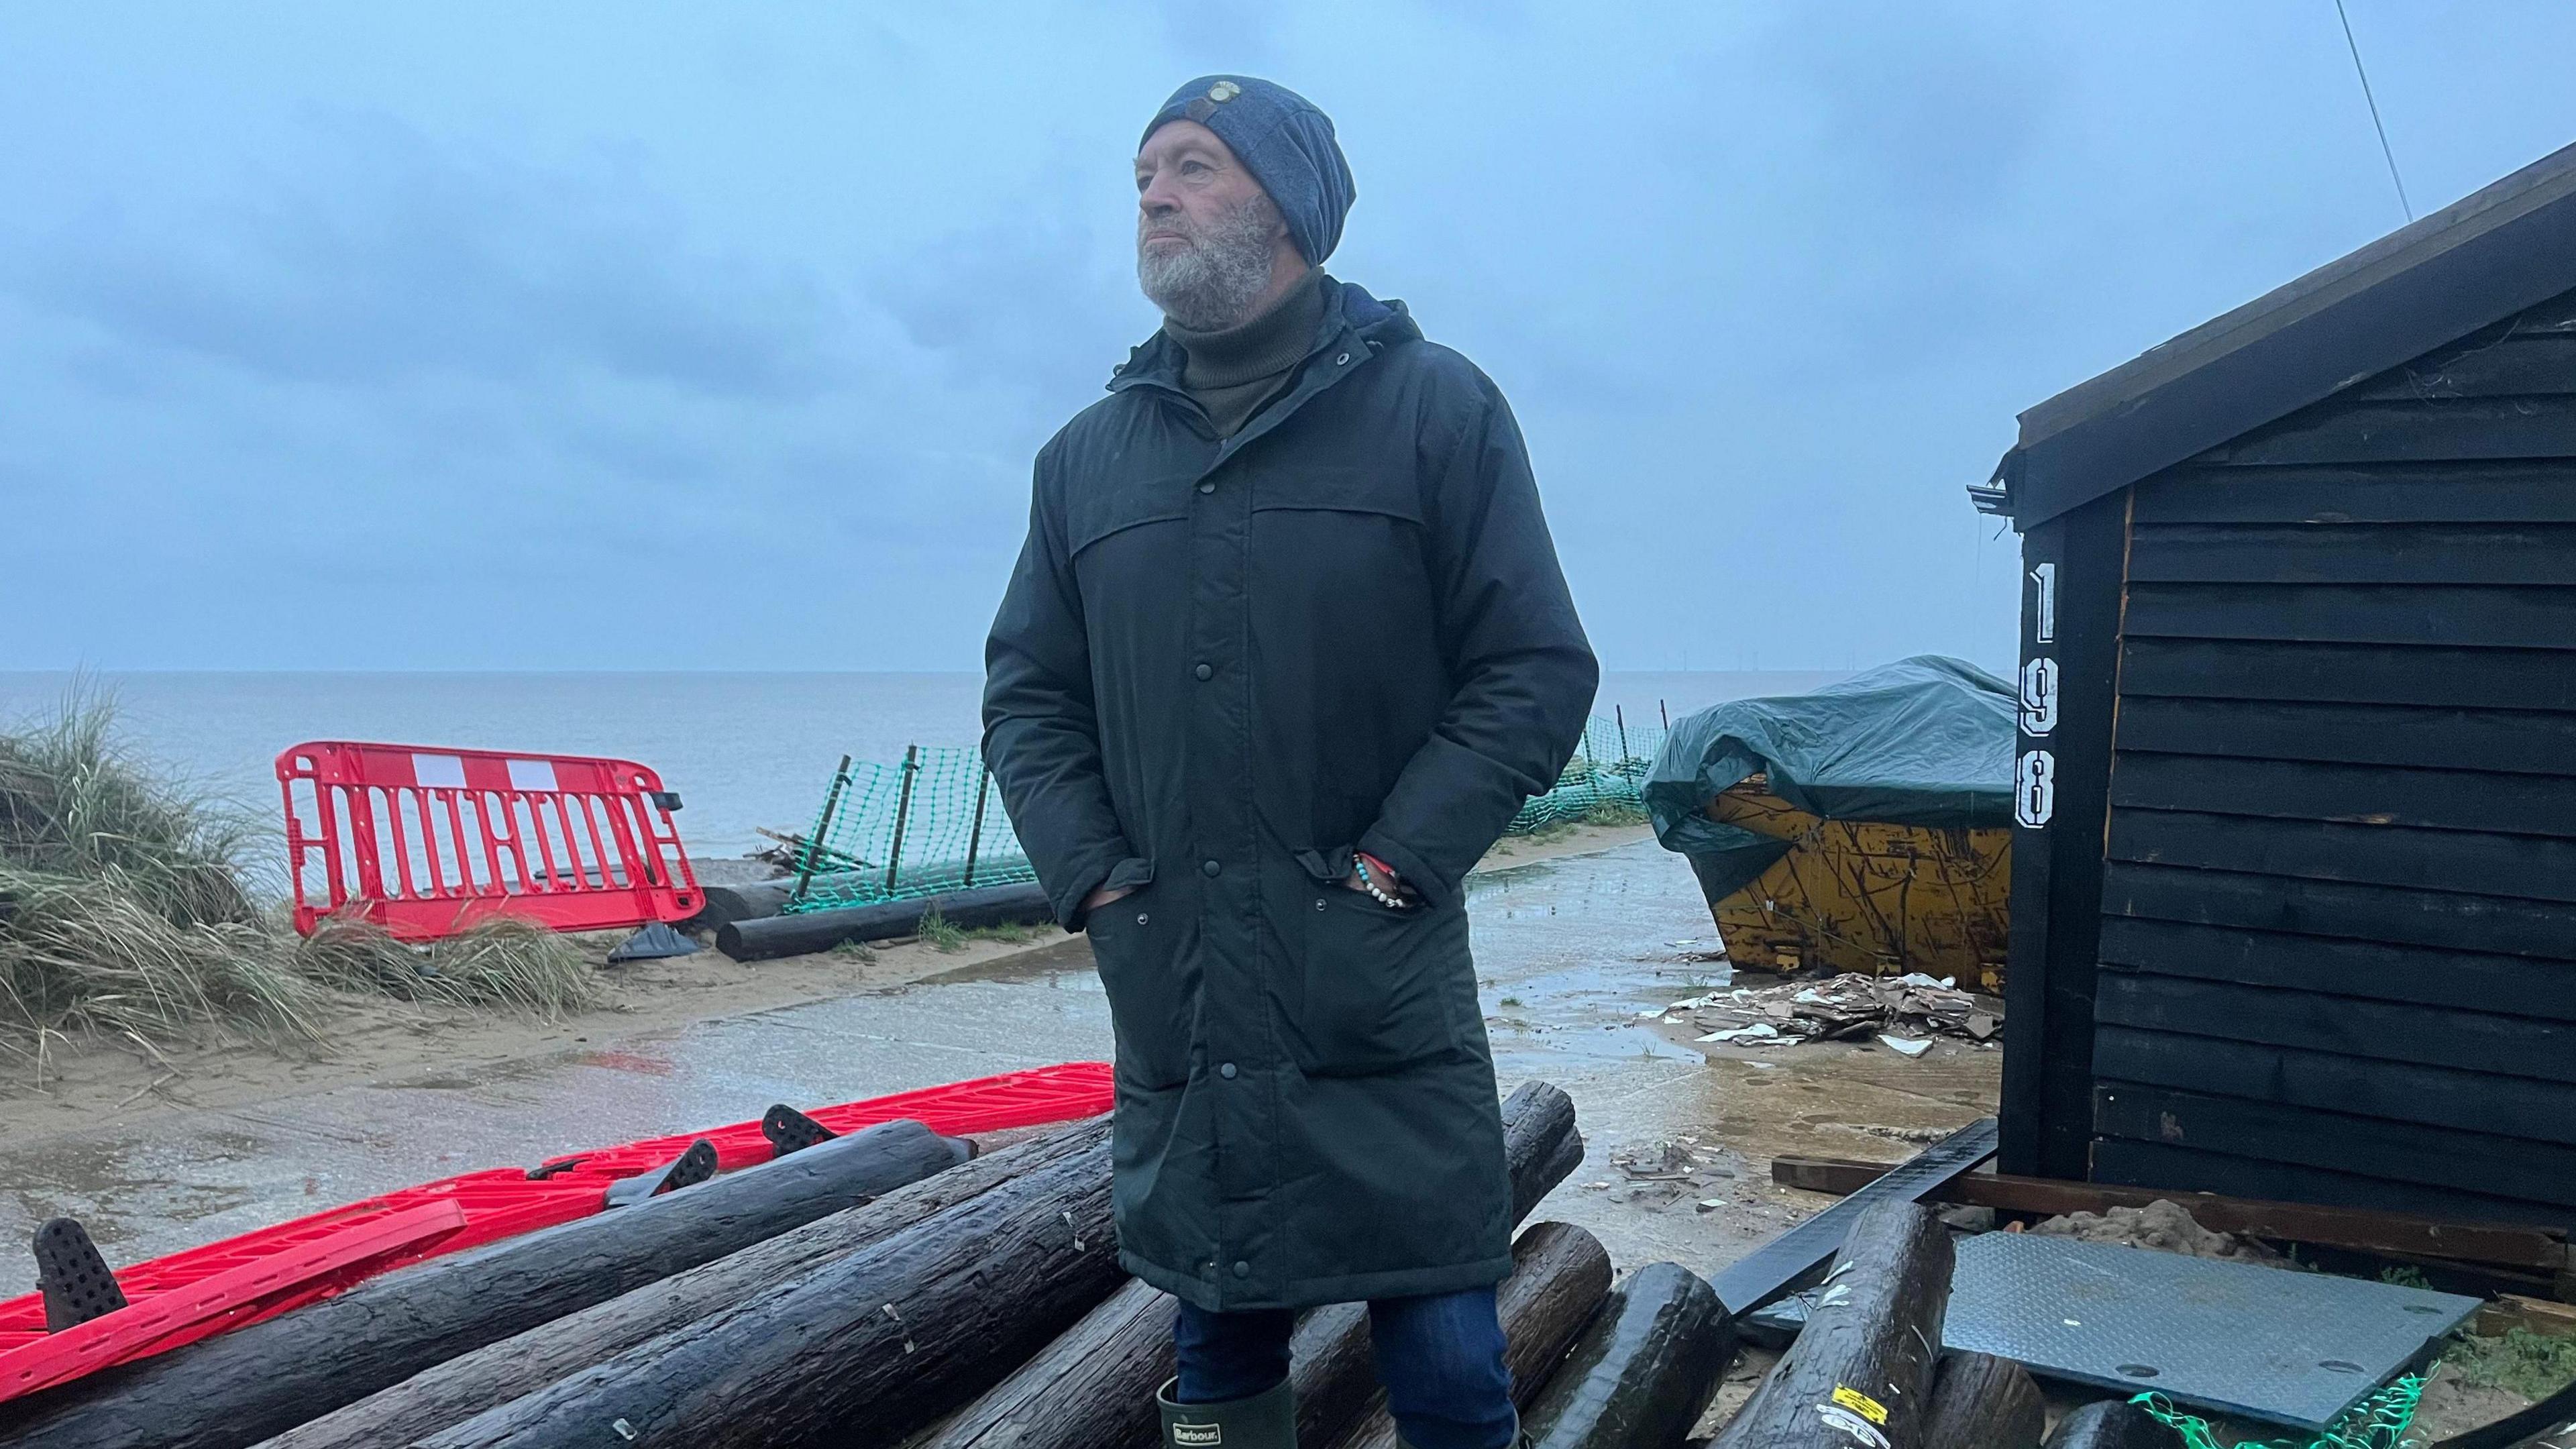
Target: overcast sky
[{"x": 721, "y": 336}]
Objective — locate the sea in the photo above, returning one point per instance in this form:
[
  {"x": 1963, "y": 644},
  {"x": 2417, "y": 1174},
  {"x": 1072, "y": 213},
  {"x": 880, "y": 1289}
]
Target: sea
[{"x": 744, "y": 751}]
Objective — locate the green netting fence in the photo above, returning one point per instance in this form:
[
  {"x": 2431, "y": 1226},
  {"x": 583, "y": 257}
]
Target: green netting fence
[
  {"x": 2381, "y": 1421},
  {"x": 929, "y": 824},
  {"x": 1599, "y": 786},
  {"x": 933, "y": 822}
]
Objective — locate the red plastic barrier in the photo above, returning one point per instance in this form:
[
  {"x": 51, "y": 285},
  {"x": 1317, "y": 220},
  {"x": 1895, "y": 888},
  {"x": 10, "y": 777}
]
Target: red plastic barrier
[
  {"x": 220, "y": 1300},
  {"x": 987, "y": 1104},
  {"x": 363, "y": 1239},
  {"x": 425, "y": 842}
]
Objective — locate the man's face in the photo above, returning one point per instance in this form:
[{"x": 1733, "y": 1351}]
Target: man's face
[
  {"x": 1208, "y": 239},
  {"x": 1188, "y": 185}
]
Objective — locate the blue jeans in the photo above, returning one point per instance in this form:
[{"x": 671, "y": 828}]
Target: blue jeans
[{"x": 1441, "y": 1359}]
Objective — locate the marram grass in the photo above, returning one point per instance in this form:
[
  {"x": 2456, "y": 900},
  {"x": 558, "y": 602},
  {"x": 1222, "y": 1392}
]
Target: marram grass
[{"x": 128, "y": 906}]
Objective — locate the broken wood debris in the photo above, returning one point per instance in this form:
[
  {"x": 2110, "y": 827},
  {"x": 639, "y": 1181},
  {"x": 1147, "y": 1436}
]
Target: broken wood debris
[{"x": 1904, "y": 1012}]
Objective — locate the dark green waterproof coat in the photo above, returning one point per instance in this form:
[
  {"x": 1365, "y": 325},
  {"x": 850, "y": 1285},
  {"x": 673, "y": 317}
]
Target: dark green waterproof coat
[{"x": 1222, "y": 666}]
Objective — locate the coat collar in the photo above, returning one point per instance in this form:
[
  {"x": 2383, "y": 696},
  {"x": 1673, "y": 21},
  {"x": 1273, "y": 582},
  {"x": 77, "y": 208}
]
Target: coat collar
[
  {"x": 1356, "y": 328},
  {"x": 1361, "y": 325}
]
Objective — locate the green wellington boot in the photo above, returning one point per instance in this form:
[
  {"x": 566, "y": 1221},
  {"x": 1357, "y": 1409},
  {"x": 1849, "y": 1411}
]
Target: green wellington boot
[{"x": 1267, "y": 1420}]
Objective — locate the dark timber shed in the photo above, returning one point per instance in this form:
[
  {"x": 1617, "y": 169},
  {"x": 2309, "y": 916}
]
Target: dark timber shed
[{"x": 2294, "y": 879}]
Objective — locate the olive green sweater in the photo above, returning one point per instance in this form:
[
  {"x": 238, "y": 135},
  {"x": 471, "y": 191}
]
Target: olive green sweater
[{"x": 1233, "y": 372}]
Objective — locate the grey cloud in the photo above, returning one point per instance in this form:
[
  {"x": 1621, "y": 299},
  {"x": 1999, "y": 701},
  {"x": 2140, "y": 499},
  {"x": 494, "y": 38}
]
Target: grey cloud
[
  {"x": 1217, "y": 34},
  {"x": 1040, "y": 300},
  {"x": 387, "y": 256}
]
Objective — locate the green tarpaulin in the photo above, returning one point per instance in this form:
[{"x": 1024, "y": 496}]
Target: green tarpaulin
[{"x": 1924, "y": 741}]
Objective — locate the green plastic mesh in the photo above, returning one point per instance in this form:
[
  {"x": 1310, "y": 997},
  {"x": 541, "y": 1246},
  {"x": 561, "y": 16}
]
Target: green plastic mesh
[
  {"x": 929, "y": 824},
  {"x": 1599, "y": 786},
  {"x": 933, "y": 822},
  {"x": 2381, "y": 1421}
]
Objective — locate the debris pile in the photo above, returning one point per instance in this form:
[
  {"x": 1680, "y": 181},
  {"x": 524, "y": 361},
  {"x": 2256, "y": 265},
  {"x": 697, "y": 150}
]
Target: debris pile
[
  {"x": 1903, "y": 1012},
  {"x": 2163, "y": 1225},
  {"x": 1659, "y": 1174}
]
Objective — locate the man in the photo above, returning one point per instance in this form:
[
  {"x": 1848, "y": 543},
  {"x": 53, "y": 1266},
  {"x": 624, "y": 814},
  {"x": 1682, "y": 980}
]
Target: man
[{"x": 1286, "y": 649}]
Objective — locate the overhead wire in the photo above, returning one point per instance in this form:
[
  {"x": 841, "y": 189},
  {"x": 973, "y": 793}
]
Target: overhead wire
[{"x": 2373, "y": 100}]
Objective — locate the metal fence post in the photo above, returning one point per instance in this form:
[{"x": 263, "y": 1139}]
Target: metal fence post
[
  {"x": 975, "y": 835},
  {"x": 823, "y": 827},
  {"x": 902, "y": 810}
]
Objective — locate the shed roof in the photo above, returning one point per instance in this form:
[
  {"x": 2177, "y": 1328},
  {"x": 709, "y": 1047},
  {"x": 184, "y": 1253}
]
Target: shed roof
[{"x": 2473, "y": 263}]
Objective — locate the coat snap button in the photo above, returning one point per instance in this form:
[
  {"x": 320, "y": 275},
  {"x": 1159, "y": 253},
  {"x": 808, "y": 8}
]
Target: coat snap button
[
  {"x": 1205, "y": 671},
  {"x": 1226, "y": 1071},
  {"x": 1211, "y": 867},
  {"x": 1208, "y": 486},
  {"x": 1319, "y": 903},
  {"x": 1242, "y": 1269},
  {"x": 1140, "y": 918},
  {"x": 1342, "y": 360}
]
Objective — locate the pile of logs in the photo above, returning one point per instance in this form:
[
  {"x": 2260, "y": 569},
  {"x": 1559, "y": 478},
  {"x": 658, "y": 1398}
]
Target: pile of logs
[
  {"x": 894, "y": 1287},
  {"x": 876, "y": 1288}
]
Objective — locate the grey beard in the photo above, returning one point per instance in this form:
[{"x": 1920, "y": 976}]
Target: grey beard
[{"x": 1211, "y": 284}]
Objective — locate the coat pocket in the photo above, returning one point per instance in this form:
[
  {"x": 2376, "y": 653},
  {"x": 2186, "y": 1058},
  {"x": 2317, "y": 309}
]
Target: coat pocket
[
  {"x": 1153, "y": 992},
  {"x": 1376, "y": 979}
]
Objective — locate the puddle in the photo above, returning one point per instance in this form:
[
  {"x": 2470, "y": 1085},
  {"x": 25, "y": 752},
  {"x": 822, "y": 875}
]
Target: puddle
[{"x": 1072, "y": 954}]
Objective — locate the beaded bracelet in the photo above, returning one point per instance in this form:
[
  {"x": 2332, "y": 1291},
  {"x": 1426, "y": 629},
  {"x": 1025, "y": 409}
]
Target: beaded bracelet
[{"x": 1360, "y": 864}]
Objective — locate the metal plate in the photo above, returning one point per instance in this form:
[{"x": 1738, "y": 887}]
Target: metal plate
[
  {"x": 1798, "y": 1256},
  {"x": 2260, "y": 1343},
  {"x": 2266, "y": 1343}
]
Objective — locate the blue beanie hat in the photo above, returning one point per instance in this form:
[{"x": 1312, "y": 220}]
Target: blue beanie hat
[{"x": 1284, "y": 141}]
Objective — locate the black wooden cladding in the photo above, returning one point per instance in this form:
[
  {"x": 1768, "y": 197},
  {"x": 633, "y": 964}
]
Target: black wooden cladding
[
  {"x": 2521, "y": 742},
  {"x": 2442, "y": 975},
  {"x": 2516, "y": 491},
  {"x": 2509, "y": 1167},
  {"x": 2471, "y": 863},
  {"x": 2528, "y": 365},
  {"x": 2524, "y": 357},
  {"x": 2535, "y": 617},
  {"x": 2534, "y": 679},
  {"x": 2339, "y": 910},
  {"x": 2366, "y": 794},
  {"x": 2313, "y": 1019},
  {"x": 2466, "y": 430},
  {"x": 2185, "y": 1169},
  {"x": 2357, "y": 553},
  {"x": 2469, "y": 1100},
  {"x": 2335, "y": 954},
  {"x": 2057, "y": 871}
]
